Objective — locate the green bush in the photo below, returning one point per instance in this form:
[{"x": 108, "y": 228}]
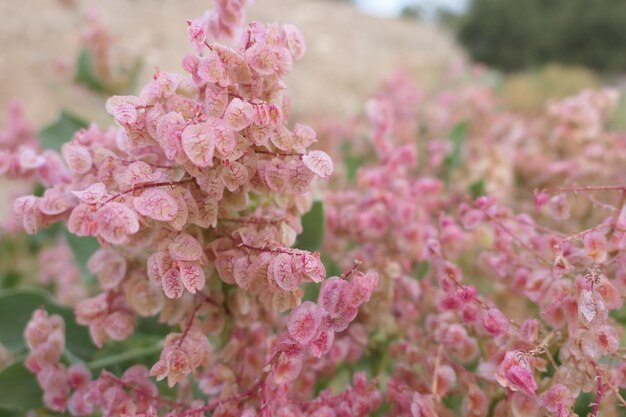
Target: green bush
[{"x": 516, "y": 34}]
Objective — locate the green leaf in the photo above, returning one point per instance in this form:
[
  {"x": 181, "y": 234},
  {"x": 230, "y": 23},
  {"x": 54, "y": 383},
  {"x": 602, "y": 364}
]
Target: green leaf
[
  {"x": 9, "y": 279},
  {"x": 421, "y": 269},
  {"x": 457, "y": 136},
  {"x": 56, "y": 134},
  {"x": 16, "y": 309},
  {"x": 312, "y": 235},
  {"x": 119, "y": 362},
  {"x": 19, "y": 390},
  {"x": 10, "y": 412},
  {"x": 85, "y": 74},
  {"x": 477, "y": 189},
  {"x": 83, "y": 248},
  {"x": 133, "y": 76},
  {"x": 454, "y": 401},
  {"x": 352, "y": 162},
  {"x": 332, "y": 269},
  {"x": 583, "y": 406},
  {"x": 352, "y": 166}
]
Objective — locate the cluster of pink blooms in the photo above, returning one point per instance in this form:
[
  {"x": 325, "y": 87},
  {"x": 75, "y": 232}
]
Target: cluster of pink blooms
[
  {"x": 434, "y": 248},
  {"x": 223, "y": 22},
  {"x": 58, "y": 268},
  {"x": 196, "y": 200},
  {"x": 64, "y": 388},
  {"x": 492, "y": 305},
  {"x": 20, "y": 154},
  {"x": 72, "y": 388}
]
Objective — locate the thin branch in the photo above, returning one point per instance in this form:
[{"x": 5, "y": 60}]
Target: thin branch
[
  {"x": 518, "y": 240},
  {"x": 599, "y": 393},
  {"x": 149, "y": 185},
  {"x": 583, "y": 189}
]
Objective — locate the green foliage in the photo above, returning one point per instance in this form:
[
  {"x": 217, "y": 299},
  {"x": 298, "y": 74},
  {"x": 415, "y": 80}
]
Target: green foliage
[
  {"x": 85, "y": 74},
  {"x": 513, "y": 34},
  {"x": 19, "y": 390},
  {"x": 9, "y": 279},
  {"x": 332, "y": 269},
  {"x": 583, "y": 406},
  {"x": 352, "y": 162},
  {"x": 56, "y": 134},
  {"x": 82, "y": 247},
  {"x": 477, "y": 189},
  {"x": 528, "y": 90},
  {"x": 16, "y": 309},
  {"x": 313, "y": 224},
  {"x": 116, "y": 357},
  {"x": 457, "y": 137},
  {"x": 420, "y": 270}
]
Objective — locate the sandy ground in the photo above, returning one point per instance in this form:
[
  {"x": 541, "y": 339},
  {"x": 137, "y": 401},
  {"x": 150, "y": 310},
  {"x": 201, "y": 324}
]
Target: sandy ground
[{"x": 348, "y": 52}]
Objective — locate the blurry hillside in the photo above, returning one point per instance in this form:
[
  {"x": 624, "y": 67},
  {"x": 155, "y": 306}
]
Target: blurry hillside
[{"x": 348, "y": 52}]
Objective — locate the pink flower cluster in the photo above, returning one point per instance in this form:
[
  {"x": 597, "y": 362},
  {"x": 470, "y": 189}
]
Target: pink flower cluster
[
  {"x": 463, "y": 295},
  {"x": 466, "y": 331},
  {"x": 64, "y": 388},
  {"x": 223, "y": 21},
  {"x": 58, "y": 267},
  {"x": 312, "y": 326},
  {"x": 196, "y": 200},
  {"x": 20, "y": 154}
]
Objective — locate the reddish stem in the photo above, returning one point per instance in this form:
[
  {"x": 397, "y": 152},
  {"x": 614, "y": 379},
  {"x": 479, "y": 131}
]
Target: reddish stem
[
  {"x": 295, "y": 154},
  {"x": 252, "y": 220},
  {"x": 518, "y": 240},
  {"x": 354, "y": 268},
  {"x": 189, "y": 324},
  {"x": 211, "y": 405},
  {"x": 586, "y": 188},
  {"x": 599, "y": 393},
  {"x": 149, "y": 185},
  {"x": 264, "y": 249},
  {"x": 127, "y": 162},
  {"x": 254, "y": 101},
  {"x": 582, "y": 234},
  {"x": 140, "y": 393}
]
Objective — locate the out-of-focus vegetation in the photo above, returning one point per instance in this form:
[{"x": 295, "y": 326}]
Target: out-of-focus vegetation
[
  {"x": 513, "y": 34},
  {"x": 529, "y": 90}
]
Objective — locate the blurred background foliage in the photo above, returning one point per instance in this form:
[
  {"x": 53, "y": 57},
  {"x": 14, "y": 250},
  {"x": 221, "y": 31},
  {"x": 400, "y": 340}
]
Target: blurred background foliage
[
  {"x": 528, "y": 90},
  {"x": 544, "y": 49},
  {"x": 511, "y": 35}
]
